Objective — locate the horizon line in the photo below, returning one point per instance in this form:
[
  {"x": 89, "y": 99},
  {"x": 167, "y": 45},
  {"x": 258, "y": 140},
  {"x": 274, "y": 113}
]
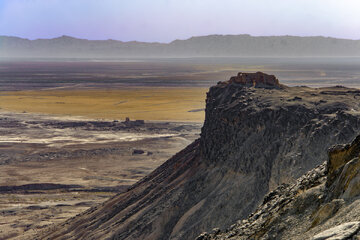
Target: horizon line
[{"x": 197, "y": 36}]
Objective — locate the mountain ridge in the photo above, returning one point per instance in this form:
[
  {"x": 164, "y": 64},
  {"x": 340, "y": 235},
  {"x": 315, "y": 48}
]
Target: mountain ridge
[{"x": 201, "y": 46}]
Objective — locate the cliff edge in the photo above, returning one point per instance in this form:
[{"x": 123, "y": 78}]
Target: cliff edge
[{"x": 257, "y": 135}]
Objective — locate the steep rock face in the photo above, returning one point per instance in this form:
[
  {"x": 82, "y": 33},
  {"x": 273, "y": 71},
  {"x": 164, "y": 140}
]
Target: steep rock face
[
  {"x": 276, "y": 133},
  {"x": 322, "y": 204},
  {"x": 255, "y": 137},
  {"x": 343, "y": 178}
]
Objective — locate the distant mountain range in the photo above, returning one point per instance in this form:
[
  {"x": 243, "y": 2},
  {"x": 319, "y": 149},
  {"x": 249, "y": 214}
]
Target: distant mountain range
[{"x": 204, "y": 46}]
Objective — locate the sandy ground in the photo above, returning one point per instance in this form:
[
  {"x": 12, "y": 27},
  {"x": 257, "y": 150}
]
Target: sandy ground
[
  {"x": 147, "y": 103},
  {"x": 92, "y": 160}
]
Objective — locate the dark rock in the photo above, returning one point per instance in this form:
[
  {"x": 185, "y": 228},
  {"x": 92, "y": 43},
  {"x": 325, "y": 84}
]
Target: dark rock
[
  {"x": 251, "y": 143},
  {"x": 295, "y": 99},
  {"x": 36, "y": 207},
  {"x": 37, "y": 186},
  {"x": 138, "y": 151}
]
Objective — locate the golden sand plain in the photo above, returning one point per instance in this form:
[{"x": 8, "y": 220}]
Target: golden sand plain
[{"x": 147, "y": 103}]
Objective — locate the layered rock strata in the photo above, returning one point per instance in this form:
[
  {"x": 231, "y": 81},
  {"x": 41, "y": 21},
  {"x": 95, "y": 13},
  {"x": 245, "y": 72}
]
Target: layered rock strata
[
  {"x": 257, "y": 135},
  {"x": 322, "y": 204}
]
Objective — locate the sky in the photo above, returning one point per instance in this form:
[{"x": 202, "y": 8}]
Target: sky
[{"x": 167, "y": 20}]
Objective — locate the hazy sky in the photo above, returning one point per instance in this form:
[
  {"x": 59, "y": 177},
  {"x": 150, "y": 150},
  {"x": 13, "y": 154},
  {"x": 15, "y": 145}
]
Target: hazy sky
[{"x": 166, "y": 20}]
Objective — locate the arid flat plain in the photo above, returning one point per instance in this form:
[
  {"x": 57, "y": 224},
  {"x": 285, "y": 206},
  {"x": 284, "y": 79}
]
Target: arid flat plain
[
  {"x": 64, "y": 142},
  {"x": 149, "y": 103},
  {"x": 149, "y": 89}
]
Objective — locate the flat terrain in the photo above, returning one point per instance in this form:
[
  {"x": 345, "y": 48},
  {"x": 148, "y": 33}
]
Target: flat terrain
[
  {"x": 149, "y": 89},
  {"x": 54, "y": 168},
  {"x": 163, "y": 103},
  {"x": 35, "y": 74}
]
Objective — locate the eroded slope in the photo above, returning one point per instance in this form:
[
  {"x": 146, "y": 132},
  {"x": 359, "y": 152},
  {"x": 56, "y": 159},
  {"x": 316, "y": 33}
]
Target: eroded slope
[
  {"x": 322, "y": 204},
  {"x": 256, "y": 136}
]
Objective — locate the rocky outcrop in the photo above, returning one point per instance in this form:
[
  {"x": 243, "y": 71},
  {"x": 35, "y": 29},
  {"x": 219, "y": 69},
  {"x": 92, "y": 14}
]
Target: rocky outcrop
[
  {"x": 344, "y": 159},
  {"x": 256, "y": 136},
  {"x": 322, "y": 204},
  {"x": 257, "y": 79},
  {"x": 343, "y": 231}
]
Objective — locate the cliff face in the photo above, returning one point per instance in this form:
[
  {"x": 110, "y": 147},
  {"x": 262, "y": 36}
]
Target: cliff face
[
  {"x": 257, "y": 134},
  {"x": 277, "y": 132},
  {"x": 322, "y": 204}
]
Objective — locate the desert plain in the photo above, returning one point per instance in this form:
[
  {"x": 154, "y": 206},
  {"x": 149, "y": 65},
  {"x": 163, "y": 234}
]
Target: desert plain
[{"x": 66, "y": 143}]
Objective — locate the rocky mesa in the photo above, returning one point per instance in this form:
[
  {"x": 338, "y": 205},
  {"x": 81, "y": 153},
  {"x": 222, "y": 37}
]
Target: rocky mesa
[{"x": 257, "y": 135}]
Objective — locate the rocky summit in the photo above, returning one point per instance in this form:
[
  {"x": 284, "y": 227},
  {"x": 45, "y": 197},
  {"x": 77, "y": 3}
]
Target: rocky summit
[
  {"x": 257, "y": 79},
  {"x": 257, "y": 135}
]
